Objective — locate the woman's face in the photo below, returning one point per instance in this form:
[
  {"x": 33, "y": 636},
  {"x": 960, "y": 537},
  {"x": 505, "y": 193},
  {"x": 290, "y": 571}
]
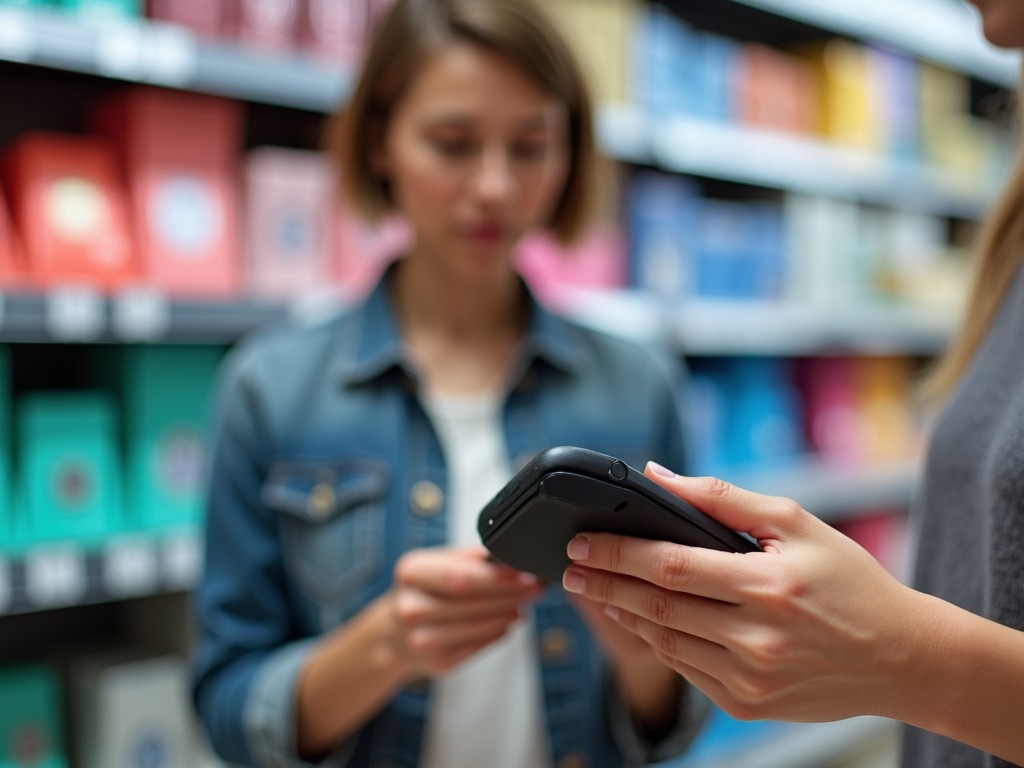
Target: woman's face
[
  {"x": 476, "y": 153},
  {"x": 1003, "y": 21}
]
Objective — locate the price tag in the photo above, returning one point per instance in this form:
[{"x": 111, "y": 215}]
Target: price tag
[
  {"x": 130, "y": 568},
  {"x": 182, "y": 561},
  {"x": 141, "y": 314},
  {"x": 55, "y": 576},
  {"x": 121, "y": 50},
  {"x": 173, "y": 55},
  {"x": 17, "y": 36},
  {"x": 74, "y": 313},
  {"x": 6, "y": 589}
]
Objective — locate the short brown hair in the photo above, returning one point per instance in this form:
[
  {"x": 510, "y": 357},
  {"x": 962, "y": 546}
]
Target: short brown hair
[{"x": 414, "y": 29}]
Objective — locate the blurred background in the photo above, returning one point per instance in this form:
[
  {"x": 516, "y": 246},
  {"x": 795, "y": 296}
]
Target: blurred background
[{"x": 793, "y": 190}]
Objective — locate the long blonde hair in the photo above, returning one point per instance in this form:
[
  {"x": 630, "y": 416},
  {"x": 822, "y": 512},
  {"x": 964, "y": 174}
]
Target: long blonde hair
[{"x": 999, "y": 254}]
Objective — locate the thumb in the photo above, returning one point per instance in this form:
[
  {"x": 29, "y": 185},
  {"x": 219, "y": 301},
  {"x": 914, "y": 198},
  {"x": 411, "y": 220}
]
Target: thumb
[{"x": 765, "y": 518}]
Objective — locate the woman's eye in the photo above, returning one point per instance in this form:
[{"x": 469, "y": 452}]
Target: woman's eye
[
  {"x": 453, "y": 147},
  {"x": 533, "y": 150}
]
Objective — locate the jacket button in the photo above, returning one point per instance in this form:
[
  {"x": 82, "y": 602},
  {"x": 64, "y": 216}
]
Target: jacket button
[
  {"x": 554, "y": 645},
  {"x": 321, "y": 500},
  {"x": 426, "y": 498},
  {"x": 573, "y": 760}
]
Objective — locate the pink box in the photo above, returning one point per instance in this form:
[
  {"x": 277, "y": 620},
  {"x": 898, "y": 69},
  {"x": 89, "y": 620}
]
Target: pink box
[
  {"x": 269, "y": 25},
  {"x": 334, "y": 31},
  {"x": 831, "y": 391},
  {"x": 597, "y": 260},
  {"x": 204, "y": 17},
  {"x": 179, "y": 153},
  {"x": 288, "y": 222}
]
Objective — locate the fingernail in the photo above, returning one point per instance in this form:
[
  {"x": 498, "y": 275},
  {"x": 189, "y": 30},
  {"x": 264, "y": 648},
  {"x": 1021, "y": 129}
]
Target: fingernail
[
  {"x": 612, "y": 612},
  {"x": 657, "y": 469},
  {"x": 573, "y": 581},
  {"x": 579, "y": 548}
]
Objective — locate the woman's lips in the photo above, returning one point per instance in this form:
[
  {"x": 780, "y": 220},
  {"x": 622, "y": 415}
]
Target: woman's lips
[{"x": 486, "y": 233}]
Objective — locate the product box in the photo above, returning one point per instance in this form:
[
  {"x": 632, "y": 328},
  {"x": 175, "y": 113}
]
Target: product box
[
  {"x": 884, "y": 388},
  {"x": 267, "y": 25},
  {"x": 165, "y": 392},
  {"x": 713, "y": 70},
  {"x": 132, "y": 713},
  {"x": 68, "y": 468},
  {"x": 31, "y": 735},
  {"x": 832, "y": 423},
  {"x": 334, "y": 32},
  {"x": 848, "y": 104},
  {"x": 204, "y": 17},
  {"x": 102, "y": 10},
  {"x": 663, "y": 81},
  {"x": 705, "y": 404},
  {"x": 597, "y": 260},
  {"x": 11, "y": 256},
  {"x": 289, "y": 203},
  {"x": 69, "y": 207},
  {"x": 774, "y": 90},
  {"x": 663, "y": 212},
  {"x": 179, "y": 153},
  {"x": 765, "y": 412}
]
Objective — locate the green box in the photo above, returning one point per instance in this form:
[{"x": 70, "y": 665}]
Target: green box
[
  {"x": 68, "y": 467},
  {"x": 102, "y": 9},
  {"x": 165, "y": 392},
  {"x": 6, "y": 497},
  {"x": 26, "y": 3},
  {"x": 31, "y": 735}
]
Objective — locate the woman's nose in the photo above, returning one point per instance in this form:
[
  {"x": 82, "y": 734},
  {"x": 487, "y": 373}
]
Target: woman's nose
[{"x": 494, "y": 182}]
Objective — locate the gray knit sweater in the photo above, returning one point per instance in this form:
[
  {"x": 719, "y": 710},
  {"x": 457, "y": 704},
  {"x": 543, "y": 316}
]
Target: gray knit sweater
[{"x": 971, "y": 510}]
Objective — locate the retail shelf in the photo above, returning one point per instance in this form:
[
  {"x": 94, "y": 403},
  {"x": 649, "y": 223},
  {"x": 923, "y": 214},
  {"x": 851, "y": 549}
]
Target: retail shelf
[
  {"x": 165, "y": 54},
  {"x": 800, "y": 745},
  {"x": 832, "y": 491},
  {"x": 738, "y": 327},
  {"x": 76, "y": 314},
  {"x": 801, "y": 164},
  {"x": 947, "y": 33},
  {"x": 62, "y": 574}
]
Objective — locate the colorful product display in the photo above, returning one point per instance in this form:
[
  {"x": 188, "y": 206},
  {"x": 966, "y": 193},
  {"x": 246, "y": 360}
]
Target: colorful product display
[
  {"x": 267, "y": 25},
  {"x": 69, "y": 210},
  {"x": 333, "y": 31},
  {"x": 68, "y": 469},
  {"x": 103, "y": 10},
  {"x": 204, "y": 17},
  {"x": 179, "y": 153}
]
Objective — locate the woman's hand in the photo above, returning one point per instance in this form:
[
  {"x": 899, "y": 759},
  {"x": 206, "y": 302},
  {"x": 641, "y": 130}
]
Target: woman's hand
[
  {"x": 810, "y": 629},
  {"x": 448, "y": 603}
]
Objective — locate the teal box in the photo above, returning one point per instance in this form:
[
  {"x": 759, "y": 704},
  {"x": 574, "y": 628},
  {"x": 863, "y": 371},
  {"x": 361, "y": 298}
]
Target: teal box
[
  {"x": 25, "y": 3},
  {"x": 68, "y": 466},
  {"x": 31, "y": 735},
  {"x": 6, "y": 497},
  {"x": 165, "y": 392},
  {"x": 102, "y": 9}
]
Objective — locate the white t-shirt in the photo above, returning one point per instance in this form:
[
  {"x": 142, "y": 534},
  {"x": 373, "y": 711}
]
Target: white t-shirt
[{"x": 488, "y": 711}]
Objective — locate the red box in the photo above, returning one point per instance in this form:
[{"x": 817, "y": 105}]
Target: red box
[
  {"x": 269, "y": 25},
  {"x": 288, "y": 222},
  {"x": 69, "y": 207},
  {"x": 11, "y": 258},
  {"x": 179, "y": 153},
  {"x": 204, "y": 17},
  {"x": 334, "y": 30},
  {"x": 775, "y": 90}
]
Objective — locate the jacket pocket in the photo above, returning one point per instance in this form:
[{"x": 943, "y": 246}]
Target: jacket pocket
[{"x": 332, "y": 522}]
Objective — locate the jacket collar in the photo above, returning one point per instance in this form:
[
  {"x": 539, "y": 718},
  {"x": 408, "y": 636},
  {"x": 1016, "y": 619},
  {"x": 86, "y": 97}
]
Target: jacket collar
[{"x": 370, "y": 345}]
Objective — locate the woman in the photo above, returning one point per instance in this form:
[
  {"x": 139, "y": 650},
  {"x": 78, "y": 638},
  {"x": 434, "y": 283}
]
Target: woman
[
  {"x": 348, "y": 615},
  {"x": 813, "y": 629}
]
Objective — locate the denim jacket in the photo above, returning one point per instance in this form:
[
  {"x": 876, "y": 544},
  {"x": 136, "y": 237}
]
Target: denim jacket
[{"x": 326, "y": 469}]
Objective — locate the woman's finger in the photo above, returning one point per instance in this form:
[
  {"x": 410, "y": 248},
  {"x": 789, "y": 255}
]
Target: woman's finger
[
  {"x": 724, "y": 576},
  {"x": 711, "y": 620}
]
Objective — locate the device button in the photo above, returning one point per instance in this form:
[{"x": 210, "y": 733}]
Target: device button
[{"x": 618, "y": 471}]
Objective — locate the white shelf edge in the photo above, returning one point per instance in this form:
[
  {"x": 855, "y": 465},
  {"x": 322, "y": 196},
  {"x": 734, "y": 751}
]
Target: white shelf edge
[{"x": 941, "y": 32}]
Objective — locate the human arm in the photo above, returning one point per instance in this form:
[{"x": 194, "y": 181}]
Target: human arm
[
  {"x": 810, "y": 629},
  {"x": 446, "y": 604}
]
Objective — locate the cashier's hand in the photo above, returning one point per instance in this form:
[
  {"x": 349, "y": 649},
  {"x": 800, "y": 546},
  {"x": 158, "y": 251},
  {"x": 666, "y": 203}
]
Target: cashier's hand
[
  {"x": 448, "y": 603},
  {"x": 810, "y": 629}
]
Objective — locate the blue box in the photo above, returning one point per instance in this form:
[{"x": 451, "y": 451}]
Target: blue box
[
  {"x": 663, "y": 212},
  {"x": 68, "y": 467},
  {"x": 30, "y": 719}
]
